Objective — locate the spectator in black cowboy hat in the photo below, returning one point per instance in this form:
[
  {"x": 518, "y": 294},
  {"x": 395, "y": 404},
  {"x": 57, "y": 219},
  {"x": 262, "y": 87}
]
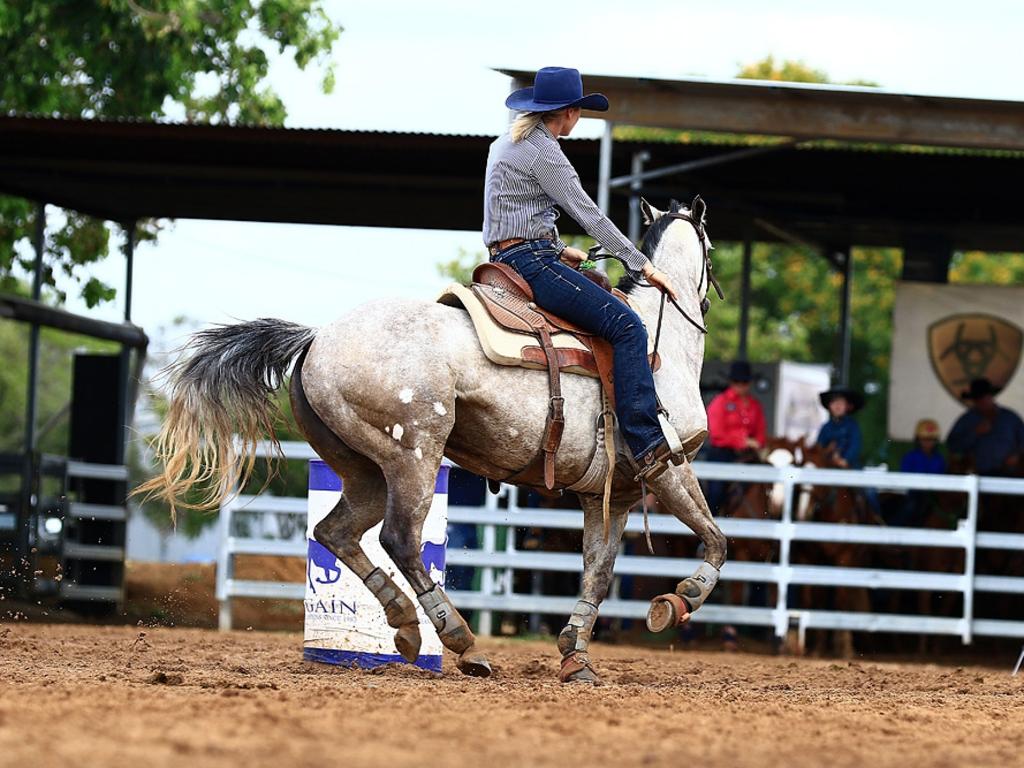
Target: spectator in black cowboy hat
[
  {"x": 989, "y": 436},
  {"x": 736, "y": 426},
  {"x": 842, "y": 430}
]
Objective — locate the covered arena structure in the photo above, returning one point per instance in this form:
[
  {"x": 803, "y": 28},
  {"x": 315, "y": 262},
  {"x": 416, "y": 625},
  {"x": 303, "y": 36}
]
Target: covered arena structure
[
  {"x": 834, "y": 168},
  {"x": 823, "y": 166}
]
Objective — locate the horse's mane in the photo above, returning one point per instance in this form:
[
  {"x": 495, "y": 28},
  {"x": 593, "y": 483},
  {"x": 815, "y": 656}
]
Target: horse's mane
[{"x": 649, "y": 243}]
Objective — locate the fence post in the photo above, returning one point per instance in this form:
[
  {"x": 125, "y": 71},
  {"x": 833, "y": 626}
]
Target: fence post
[
  {"x": 967, "y": 630},
  {"x": 512, "y": 494},
  {"x": 785, "y": 537},
  {"x": 224, "y": 567},
  {"x": 486, "y": 622}
]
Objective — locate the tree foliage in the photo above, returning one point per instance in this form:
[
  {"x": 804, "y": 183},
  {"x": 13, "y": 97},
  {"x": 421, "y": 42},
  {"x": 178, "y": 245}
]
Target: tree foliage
[
  {"x": 791, "y": 71},
  {"x": 206, "y": 61}
]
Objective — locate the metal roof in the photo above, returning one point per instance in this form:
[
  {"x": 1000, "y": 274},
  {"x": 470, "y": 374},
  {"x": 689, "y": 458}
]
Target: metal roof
[
  {"x": 127, "y": 170},
  {"x": 806, "y": 110}
]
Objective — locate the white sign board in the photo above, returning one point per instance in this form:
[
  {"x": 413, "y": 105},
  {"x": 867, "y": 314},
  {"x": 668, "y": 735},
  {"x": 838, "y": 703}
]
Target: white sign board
[
  {"x": 944, "y": 336},
  {"x": 798, "y": 411}
]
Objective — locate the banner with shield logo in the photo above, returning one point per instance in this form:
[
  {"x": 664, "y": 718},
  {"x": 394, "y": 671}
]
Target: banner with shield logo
[{"x": 944, "y": 336}]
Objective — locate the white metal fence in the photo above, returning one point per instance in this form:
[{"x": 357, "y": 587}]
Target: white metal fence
[{"x": 496, "y": 590}]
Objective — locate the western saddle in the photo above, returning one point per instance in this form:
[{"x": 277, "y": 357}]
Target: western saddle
[{"x": 501, "y": 305}]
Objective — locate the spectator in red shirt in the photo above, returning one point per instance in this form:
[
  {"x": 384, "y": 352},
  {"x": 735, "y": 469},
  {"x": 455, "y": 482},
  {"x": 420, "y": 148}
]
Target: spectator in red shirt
[{"x": 735, "y": 424}]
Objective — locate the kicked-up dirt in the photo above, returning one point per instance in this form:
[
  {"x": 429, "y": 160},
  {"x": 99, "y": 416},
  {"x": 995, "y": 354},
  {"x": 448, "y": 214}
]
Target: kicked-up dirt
[{"x": 100, "y": 696}]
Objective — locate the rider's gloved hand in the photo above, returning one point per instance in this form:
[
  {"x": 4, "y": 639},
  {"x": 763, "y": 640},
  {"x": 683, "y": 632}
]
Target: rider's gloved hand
[
  {"x": 660, "y": 280},
  {"x": 572, "y": 257}
]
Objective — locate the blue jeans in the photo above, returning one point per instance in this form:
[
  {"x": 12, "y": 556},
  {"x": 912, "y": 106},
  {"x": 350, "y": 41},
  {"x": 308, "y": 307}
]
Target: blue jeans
[{"x": 570, "y": 295}]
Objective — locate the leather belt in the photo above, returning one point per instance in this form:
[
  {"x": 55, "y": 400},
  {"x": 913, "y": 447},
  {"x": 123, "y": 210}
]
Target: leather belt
[{"x": 495, "y": 248}]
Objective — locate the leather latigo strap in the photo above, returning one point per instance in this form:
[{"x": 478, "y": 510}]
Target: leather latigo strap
[
  {"x": 567, "y": 358},
  {"x": 555, "y": 424}
]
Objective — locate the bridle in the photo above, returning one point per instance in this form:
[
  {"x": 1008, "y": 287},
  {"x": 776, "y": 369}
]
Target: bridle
[{"x": 707, "y": 274}]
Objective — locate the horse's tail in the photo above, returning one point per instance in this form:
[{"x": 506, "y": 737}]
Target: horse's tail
[{"x": 220, "y": 408}]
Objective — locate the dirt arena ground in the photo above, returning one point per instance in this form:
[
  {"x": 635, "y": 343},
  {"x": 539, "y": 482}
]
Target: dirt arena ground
[{"x": 91, "y": 695}]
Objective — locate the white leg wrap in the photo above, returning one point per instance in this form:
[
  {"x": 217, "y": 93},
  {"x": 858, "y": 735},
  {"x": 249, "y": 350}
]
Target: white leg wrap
[
  {"x": 397, "y": 606},
  {"x": 695, "y": 590},
  {"x": 576, "y": 635},
  {"x": 439, "y": 608}
]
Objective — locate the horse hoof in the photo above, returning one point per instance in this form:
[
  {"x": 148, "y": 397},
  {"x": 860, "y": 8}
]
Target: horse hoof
[
  {"x": 407, "y": 641},
  {"x": 473, "y": 663},
  {"x": 667, "y": 611},
  {"x": 576, "y": 668},
  {"x": 585, "y": 676}
]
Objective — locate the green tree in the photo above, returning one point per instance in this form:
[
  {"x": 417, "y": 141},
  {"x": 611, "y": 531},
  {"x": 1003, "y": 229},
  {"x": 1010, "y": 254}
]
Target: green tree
[
  {"x": 141, "y": 59},
  {"x": 791, "y": 71}
]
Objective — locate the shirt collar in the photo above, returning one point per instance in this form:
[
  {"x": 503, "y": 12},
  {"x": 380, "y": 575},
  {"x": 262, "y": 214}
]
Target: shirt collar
[{"x": 544, "y": 127}]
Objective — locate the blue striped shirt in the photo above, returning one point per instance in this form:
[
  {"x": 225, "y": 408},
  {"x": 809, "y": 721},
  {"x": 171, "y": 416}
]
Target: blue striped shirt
[{"x": 525, "y": 181}]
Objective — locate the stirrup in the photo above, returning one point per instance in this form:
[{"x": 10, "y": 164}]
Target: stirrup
[
  {"x": 675, "y": 445},
  {"x": 653, "y": 463}
]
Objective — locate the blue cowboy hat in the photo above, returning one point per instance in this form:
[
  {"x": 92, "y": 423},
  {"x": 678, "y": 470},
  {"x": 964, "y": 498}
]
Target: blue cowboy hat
[{"x": 555, "y": 88}]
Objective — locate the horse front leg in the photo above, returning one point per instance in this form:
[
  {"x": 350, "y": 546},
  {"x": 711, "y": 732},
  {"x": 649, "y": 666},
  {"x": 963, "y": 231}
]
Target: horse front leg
[
  {"x": 679, "y": 492},
  {"x": 598, "y": 566}
]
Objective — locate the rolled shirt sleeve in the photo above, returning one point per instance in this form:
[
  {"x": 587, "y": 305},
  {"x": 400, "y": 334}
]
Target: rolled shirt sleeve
[{"x": 560, "y": 181}]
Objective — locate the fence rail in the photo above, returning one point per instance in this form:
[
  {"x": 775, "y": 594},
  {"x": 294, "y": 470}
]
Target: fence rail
[{"x": 503, "y": 511}]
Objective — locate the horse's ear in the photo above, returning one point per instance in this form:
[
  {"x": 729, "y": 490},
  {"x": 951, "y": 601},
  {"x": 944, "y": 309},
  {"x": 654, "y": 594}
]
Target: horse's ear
[
  {"x": 698, "y": 209},
  {"x": 650, "y": 213}
]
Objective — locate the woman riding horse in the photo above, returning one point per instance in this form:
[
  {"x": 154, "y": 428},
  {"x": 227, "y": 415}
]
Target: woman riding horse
[{"x": 527, "y": 175}]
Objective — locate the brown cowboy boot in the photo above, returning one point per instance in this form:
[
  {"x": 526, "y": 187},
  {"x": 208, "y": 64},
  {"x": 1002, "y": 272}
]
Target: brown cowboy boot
[{"x": 653, "y": 463}]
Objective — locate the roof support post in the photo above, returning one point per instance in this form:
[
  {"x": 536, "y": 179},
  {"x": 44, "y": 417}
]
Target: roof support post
[
  {"x": 844, "y": 258},
  {"x": 604, "y": 169},
  {"x": 39, "y": 242},
  {"x": 124, "y": 375},
  {"x": 742, "y": 352},
  {"x": 635, "y": 169},
  {"x": 27, "y": 517},
  {"x": 129, "y": 267}
]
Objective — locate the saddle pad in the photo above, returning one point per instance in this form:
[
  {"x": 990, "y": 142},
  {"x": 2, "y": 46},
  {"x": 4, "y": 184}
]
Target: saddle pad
[
  {"x": 506, "y": 347},
  {"x": 500, "y": 345}
]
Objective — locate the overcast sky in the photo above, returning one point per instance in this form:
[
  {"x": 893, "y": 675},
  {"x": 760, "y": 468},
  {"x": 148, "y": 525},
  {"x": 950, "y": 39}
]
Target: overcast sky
[{"x": 419, "y": 66}]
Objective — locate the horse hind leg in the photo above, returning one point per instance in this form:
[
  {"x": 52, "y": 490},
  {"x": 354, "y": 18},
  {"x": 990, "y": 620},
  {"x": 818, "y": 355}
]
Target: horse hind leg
[
  {"x": 362, "y": 505},
  {"x": 410, "y": 493}
]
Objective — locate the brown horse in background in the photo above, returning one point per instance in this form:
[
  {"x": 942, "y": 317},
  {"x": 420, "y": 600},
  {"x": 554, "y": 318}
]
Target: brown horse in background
[
  {"x": 757, "y": 501},
  {"x": 834, "y": 504}
]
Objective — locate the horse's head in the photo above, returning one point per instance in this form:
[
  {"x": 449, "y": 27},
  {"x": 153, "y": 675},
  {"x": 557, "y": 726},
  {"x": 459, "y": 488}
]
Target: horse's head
[
  {"x": 821, "y": 456},
  {"x": 677, "y": 242}
]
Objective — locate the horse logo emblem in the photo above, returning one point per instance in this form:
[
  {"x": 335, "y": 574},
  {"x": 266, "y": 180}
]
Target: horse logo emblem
[
  {"x": 433, "y": 556},
  {"x": 321, "y": 558},
  {"x": 973, "y": 346}
]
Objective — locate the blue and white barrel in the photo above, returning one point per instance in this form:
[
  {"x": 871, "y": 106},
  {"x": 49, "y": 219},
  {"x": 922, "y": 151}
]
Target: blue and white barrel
[{"x": 344, "y": 622}]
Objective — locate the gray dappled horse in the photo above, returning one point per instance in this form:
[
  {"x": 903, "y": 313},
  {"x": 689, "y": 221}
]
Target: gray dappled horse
[{"x": 387, "y": 390}]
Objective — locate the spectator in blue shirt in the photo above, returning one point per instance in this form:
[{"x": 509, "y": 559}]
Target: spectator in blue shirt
[
  {"x": 923, "y": 458},
  {"x": 988, "y": 437},
  {"x": 841, "y": 430}
]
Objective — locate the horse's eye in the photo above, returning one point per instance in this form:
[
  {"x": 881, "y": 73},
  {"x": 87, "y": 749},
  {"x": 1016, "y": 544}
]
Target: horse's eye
[{"x": 705, "y": 305}]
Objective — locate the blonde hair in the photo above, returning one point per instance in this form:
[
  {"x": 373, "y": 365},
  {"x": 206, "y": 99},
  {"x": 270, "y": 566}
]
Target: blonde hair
[{"x": 527, "y": 121}]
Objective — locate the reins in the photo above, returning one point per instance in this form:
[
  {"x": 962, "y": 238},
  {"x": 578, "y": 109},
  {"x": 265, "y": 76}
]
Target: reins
[
  {"x": 708, "y": 274},
  {"x": 705, "y": 305}
]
